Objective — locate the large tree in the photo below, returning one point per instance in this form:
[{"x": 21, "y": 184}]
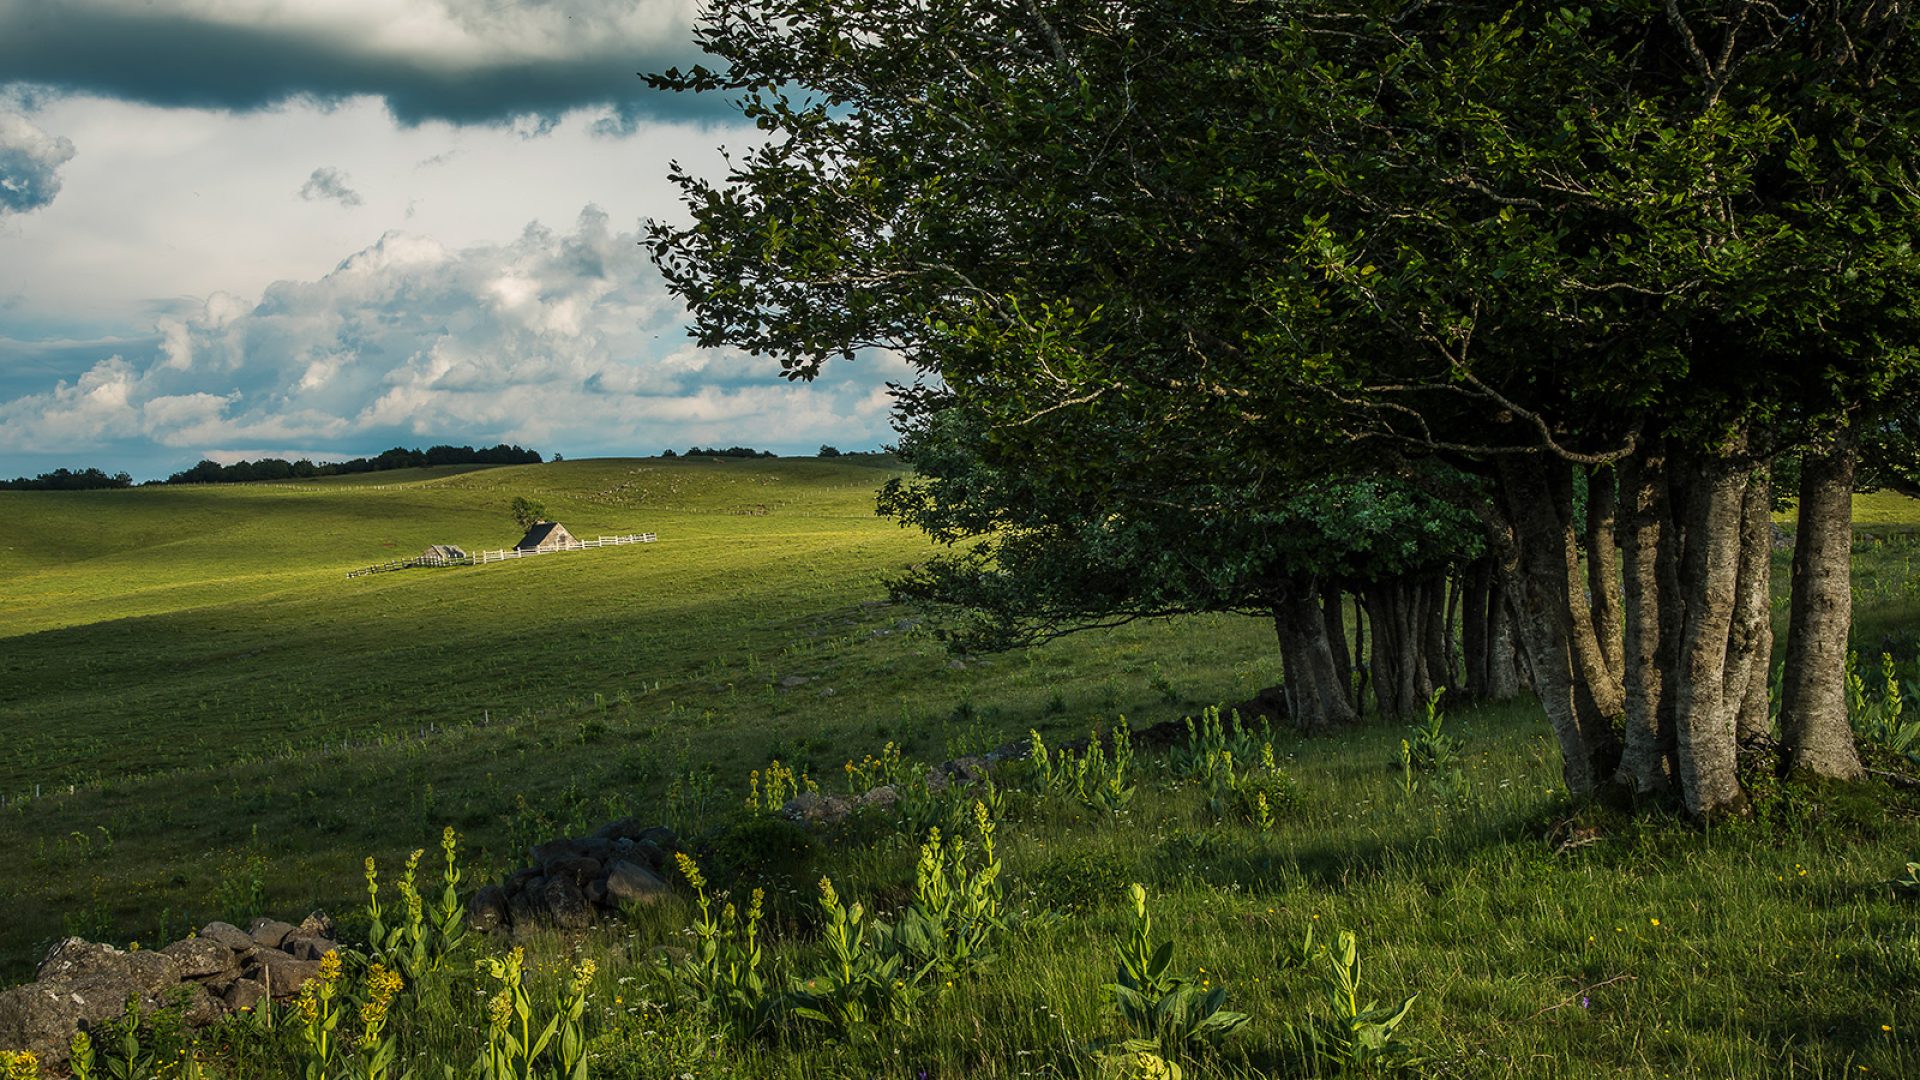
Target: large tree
[{"x": 1639, "y": 249}]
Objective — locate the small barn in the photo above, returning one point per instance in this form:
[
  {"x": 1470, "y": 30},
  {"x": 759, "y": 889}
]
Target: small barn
[
  {"x": 442, "y": 554},
  {"x": 547, "y": 536}
]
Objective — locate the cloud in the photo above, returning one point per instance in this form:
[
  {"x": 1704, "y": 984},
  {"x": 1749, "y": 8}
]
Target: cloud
[
  {"x": 561, "y": 339},
  {"x": 466, "y": 61},
  {"x": 329, "y": 183},
  {"x": 30, "y": 161}
]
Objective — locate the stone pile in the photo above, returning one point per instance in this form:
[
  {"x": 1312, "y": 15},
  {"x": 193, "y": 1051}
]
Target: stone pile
[
  {"x": 572, "y": 881},
  {"x": 83, "y": 984}
]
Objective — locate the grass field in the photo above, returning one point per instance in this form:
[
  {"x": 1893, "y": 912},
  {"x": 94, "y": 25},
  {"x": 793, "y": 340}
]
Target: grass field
[{"x": 218, "y": 722}]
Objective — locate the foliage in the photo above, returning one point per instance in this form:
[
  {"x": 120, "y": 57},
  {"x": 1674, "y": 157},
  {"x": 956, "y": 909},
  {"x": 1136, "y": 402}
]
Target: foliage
[
  {"x": 768, "y": 792},
  {"x": 957, "y": 901},
  {"x": 240, "y": 472},
  {"x": 723, "y": 974},
  {"x": 1881, "y": 720},
  {"x": 862, "y": 983},
  {"x": 1099, "y": 782},
  {"x": 1167, "y": 1014},
  {"x": 519, "y": 1046},
  {"x": 526, "y": 512},
  {"x": 1350, "y": 1034},
  {"x": 1430, "y": 748},
  {"x": 419, "y": 944}
]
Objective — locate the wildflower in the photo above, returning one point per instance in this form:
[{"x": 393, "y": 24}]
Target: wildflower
[
  {"x": 1655, "y": 922},
  {"x": 583, "y": 975},
  {"x": 690, "y": 870},
  {"x": 499, "y": 1008},
  {"x": 330, "y": 966}
]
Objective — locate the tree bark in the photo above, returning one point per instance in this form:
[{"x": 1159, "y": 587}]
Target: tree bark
[
  {"x": 1709, "y": 575},
  {"x": 1603, "y": 570},
  {"x": 1816, "y": 734},
  {"x": 1646, "y": 760},
  {"x": 1396, "y": 680},
  {"x": 1333, "y": 613},
  {"x": 1750, "y": 652},
  {"x": 1539, "y": 506},
  {"x": 1476, "y": 588},
  {"x": 1314, "y": 694}
]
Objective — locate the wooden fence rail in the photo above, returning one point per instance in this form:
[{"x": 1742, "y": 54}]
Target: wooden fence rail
[{"x": 482, "y": 558}]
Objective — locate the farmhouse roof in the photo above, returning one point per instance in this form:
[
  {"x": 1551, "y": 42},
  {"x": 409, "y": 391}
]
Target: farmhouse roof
[
  {"x": 443, "y": 551},
  {"x": 544, "y": 533}
]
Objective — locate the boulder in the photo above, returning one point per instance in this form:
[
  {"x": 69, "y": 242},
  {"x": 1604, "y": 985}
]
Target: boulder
[
  {"x": 316, "y": 924},
  {"x": 814, "y": 808},
  {"x": 553, "y": 851},
  {"x": 80, "y": 983},
  {"x": 630, "y": 883},
  {"x": 596, "y": 891},
  {"x": 227, "y": 934},
  {"x": 305, "y": 946},
  {"x": 487, "y": 909},
  {"x": 283, "y": 974},
  {"x": 244, "y": 994},
  {"x": 519, "y": 878},
  {"x": 202, "y": 958},
  {"x": 524, "y": 906},
  {"x": 268, "y": 932},
  {"x": 579, "y": 870},
  {"x": 198, "y": 1005},
  {"x": 565, "y": 905},
  {"x": 596, "y": 847},
  {"x": 661, "y": 835},
  {"x": 627, "y": 828}
]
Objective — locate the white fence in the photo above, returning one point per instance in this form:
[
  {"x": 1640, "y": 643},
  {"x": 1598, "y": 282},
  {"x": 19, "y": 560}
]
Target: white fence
[{"x": 482, "y": 558}]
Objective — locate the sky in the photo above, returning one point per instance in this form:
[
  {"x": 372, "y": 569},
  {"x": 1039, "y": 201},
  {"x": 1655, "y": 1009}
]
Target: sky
[{"x": 243, "y": 228}]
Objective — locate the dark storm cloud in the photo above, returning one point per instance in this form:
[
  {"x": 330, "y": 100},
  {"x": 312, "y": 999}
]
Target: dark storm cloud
[{"x": 181, "y": 58}]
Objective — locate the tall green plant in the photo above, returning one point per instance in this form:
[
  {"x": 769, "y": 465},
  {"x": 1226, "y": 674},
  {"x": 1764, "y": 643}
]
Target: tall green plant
[{"x": 1167, "y": 1014}]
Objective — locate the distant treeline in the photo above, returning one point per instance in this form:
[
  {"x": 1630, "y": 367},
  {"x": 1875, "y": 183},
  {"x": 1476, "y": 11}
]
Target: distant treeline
[
  {"x": 212, "y": 472},
  {"x": 731, "y": 451},
  {"x": 67, "y": 480}
]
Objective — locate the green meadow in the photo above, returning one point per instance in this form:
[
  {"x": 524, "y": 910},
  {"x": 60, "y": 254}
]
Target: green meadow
[{"x": 206, "y": 718}]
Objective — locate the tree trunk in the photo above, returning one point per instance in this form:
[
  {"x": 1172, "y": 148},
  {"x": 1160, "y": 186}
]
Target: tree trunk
[
  {"x": 1396, "y": 691},
  {"x": 1597, "y": 690},
  {"x": 1709, "y": 575},
  {"x": 1313, "y": 690},
  {"x": 1816, "y": 734},
  {"x": 1360, "y": 654},
  {"x": 1750, "y": 652},
  {"x": 1646, "y": 761},
  {"x": 1603, "y": 571},
  {"x": 1539, "y": 507},
  {"x": 1333, "y": 614},
  {"x": 1503, "y": 646},
  {"x": 1476, "y": 588}
]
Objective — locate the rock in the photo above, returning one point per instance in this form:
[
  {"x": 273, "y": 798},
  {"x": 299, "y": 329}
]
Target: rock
[
  {"x": 789, "y": 682},
  {"x": 42, "y": 1019},
  {"x": 201, "y": 958},
  {"x": 883, "y": 797},
  {"x": 282, "y": 973},
  {"x": 80, "y": 982},
  {"x": 661, "y": 835},
  {"x": 553, "y": 851},
  {"x": 304, "y": 946},
  {"x": 198, "y": 1006},
  {"x": 524, "y": 906},
  {"x": 519, "y": 878},
  {"x": 627, "y": 828},
  {"x": 596, "y": 847},
  {"x": 268, "y": 932},
  {"x": 227, "y": 934},
  {"x": 630, "y": 883},
  {"x": 79, "y": 964},
  {"x": 244, "y": 994},
  {"x": 596, "y": 891},
  {"x": 487, "y": 910},
  {"x": 649, "y": 852},
  {"x": 563, "y": 902},
  {"x": 817, "y": 809},
  {"x": 579, "y": 870},
  {"x": 316, "y": 924}
]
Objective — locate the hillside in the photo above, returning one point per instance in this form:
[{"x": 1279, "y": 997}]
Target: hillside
[{"x": 193, "y": 663}]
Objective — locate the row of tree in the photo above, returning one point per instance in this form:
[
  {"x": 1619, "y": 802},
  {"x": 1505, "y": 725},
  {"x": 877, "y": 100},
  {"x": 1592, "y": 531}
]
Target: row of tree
[
  {"x": 1494, "y": 315},
  {"x": 68, "y": 480},
  {"x": 212, "y": 472},
  {"x": 729, "y": 452}
]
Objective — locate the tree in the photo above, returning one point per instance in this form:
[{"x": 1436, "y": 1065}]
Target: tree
[
  {"x": 526, "y": 512},
  {"x": 1641, "y": 251}
]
